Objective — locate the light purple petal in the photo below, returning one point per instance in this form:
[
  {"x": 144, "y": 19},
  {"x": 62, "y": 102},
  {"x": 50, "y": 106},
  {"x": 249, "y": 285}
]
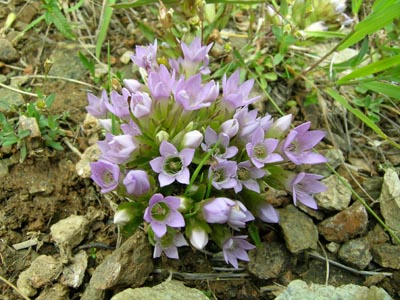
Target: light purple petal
[
  {"x": 159, "y": 228},
  {"x": 165, "y": 179},
  {"x": 187, "y": 156},
  {"x": 184, "y": 176},
  {"x": 157, "y": 164},
  {"x": 167, "y": 149}
]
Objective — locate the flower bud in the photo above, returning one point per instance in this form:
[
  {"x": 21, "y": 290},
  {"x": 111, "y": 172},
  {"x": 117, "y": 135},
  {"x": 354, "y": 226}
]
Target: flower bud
[
  {"x": 106, "y": 124},
  {"x": 279, "y": 127},
  {"x": 230, "y": 127},
  {"x": 162, "y": 136},
  {"x": 136, "y": 182},
  {"x": 122, "y": 216},
  {"x": 198, "y": 238},
  {"x": 192, "y": 139}
]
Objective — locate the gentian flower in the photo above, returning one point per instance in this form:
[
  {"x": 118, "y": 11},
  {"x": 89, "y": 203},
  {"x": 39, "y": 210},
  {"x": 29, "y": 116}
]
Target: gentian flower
[
  {"x": 234, "y": 248},
  {"x": 172, "y": 165},
  {"x": 163, "y": 212},
  {"x": 267, "y": 213},
  {"x": 249, "y": 122},
  {"x": 131, "y": 128},
  {"x": 105, "y": 174},
  {"x": 146, "y": 57},
  {"x": 136, "y": 182},
  {"x": 132, "y": 85},
  {"x": 230, "y": 127},
  {"x": 298, "y": 145},
  {"x": 302, "y": 186},
  {"x": 223, "y": 174},
  {"x": 191, "y": 94},
  {"x": 168, "y": 244},
  {"x": 247, "y": 175},
  {"x": 218, "y": 210},
  {"x": 106, "y": 124},
  {"x": 192, "y": 139},
  {"x": 235, "y": 95},
  {"x": 198, "y": 238},
  {"x": 260, "y": 149},
  {"x": 239, "y": 215},
  {"x": 223, "y": 150},
  {"x": 97, "y": 107},
  {"x": 119, "y": 104},
  {"x": 140, "y": 104},
  {"x": 117, "y": 148},
  {"x": 161, "y": 83},
  {"x": 279, "y": 127}
]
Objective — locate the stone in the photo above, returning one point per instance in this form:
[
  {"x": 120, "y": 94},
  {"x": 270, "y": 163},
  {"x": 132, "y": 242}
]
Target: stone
[
  {"x": 345, "y": 225},
  {"x": 356, "y": 253},
  {"x": 300, "y": 290},
  {"x": 271, "y": 260},
  {"x": 91, "y": 154},
  {"x": 74, "y": 273},
  {"x": 128, "y": 265},
  {"x": 389, "y": 201},
  {"x": 69, "y": 231},
  {"x": 169, "y": 290},
  {"x": 377, "y": 235},
  {"x": 299, "y": 231},
  {"x": 10, "y": 100},
  {"x": 336, "y": 197},
  {"x": 29, "y": 123},
  {"x": 54, "y": 292},
  {"x": 333, "y": 247},
  {"x": 8, "y": 53},
  {"x": 387, "y": 255},
  {"x": 43, "y": 270}
]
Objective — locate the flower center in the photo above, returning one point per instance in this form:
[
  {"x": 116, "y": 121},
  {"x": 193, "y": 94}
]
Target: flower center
[
  {"x": 243, "y": 174},
  {"x": 260, "y": 151},
  {"x": 108, "y": 178},
  {"x": 160, "y": 211},
  {"x": 218, "y": 175},
  {"x": 173, "y": 165}
]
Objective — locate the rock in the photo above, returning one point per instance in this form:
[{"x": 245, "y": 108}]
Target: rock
[
  {"x": 91, "y": 154},
  {"x": 387, "y": 255},
  {"x": 299, "y": 231},
  {"x": 54, "y": 292},
  {"x": 345, "y": 225},
  {"x": 333, "y": 247},
  {"x": 271, "y": 260},
  {"x": 390, "y": 201},
  {"x": 377, "y": 235},
  {"x": 126, "y": 57},
  {"x": 74, "y": 273},
  {"x": 169, "y": 290},
  {"x": 8, "y": 54},
  {"x": 43, "y": 270},
  {"x": 356, "y": 253},
  {"x": 128, "y": 265},
  {"x": 299, "y": 290},
  {"x": 92, "y": 294},
  {"x": 30, "y": 123},
  {"x": 335, "y": 158},
  {"x": 9, "y": 100},
  {"x": 336, "y": 197}
]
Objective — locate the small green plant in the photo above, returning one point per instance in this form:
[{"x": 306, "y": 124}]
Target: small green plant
[
  {"x": 371, "y": 107},
  {"x": 10, "y": 135}
]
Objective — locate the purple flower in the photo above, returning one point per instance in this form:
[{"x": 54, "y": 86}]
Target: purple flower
[
  {"x": 230, "y": 127},
  {"x": 131, "y": 128},
  {"x": 136, "y": 182},
  {"x": 223, "y": 174},
  {"x": 117, "y": 148},
  {"x": 163, "y": 212},
  {"x": 248, "y": 122},
  {"x": 218, "y": 210},
  {"x": 235, "y": 95},
  {"x": 140, "y": 104},
  {"x": 247, "y": 175},
  {"x": 192, "y": 95},
  {"x": 172, "y": 165},
  {"x": 168, "y": 244},
  {"x": 267, "y": 213},
  {"x": 260, "y": 149},
  {"x": 161, "y": 83},
  {"x": 105, "y": 174},
  {"x": 119, "y": 104},
  {"x": 222, "y": 151},
  {"x": 279, "y": 127},
  {"x": 298, "y": 145},
  {"x": 97, "y": 107},
  {"x": 146, "y": 57},
  {"x": 106, "y": 124},
  {"x": 239, "y": 215},
  {"x": 302, "y": 186},
  {"x": 234, "y": 248},
  {"x": 132, "y": 85}
]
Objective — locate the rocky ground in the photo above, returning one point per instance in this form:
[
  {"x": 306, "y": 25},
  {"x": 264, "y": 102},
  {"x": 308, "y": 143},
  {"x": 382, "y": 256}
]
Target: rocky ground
[{"x": 58, "y": 241}]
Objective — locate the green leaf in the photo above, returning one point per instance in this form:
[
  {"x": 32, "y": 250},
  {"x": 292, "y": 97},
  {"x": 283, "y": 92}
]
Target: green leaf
[
  {"x": 55, "y": 16},
  {"x": 53, "y": 144},
  {"x": 104, "y": 23},
  {"x": 147, "y": 32},
  {"x": 375, "y": 21},
  {"x": 355, "y": 6},
  {"x": 390, "y": 90},
  {"x": 372, "y": 68},
  {"x": 50, "y": 99}
]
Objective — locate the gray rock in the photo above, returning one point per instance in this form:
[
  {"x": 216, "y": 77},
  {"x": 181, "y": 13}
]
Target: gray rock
[
  {"x": 66, "y": 61},
  {"x": 91, "y": 293},
  {"x": 336, "y": 197},
  {"x": 8, "y": 54},
  {"x": 43, "y": 270},
  {"x": 387, "y": 255},
  {"x": 271, "y": 260},
  {"x": 390, "y": 201},
  {"x": 300, "y": 290},
  {"x": 128, "y": 265},
  {"x": 74, "y": 273},
  {"x": 345, "y": 225},
  {"x": 10, "y": 99},
  {"x": 356, "y": 253},
  {"x": 169, "y": 290},
  {"x": 70, "y": 231},
  {"x": 299, "y": 231},
  {"x": 377, "y": 235},
  {"x": 54, "y": 292},
  {"x": 91, "y": 154}
]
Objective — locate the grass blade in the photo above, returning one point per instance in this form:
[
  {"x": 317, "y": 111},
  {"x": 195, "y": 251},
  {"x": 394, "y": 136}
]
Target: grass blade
[
  {"x": 387, "y": 89},
  {"x": 104, "y": 23}
]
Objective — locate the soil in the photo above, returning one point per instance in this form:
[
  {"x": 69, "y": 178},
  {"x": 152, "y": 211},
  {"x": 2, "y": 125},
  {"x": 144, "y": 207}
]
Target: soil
[{"x": 45, "y": 187}]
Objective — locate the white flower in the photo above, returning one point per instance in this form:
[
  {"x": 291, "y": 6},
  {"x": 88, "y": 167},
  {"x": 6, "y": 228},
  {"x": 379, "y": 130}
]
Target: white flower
[
  {"x": 192, "y": 139},
  {"x": 198, "y": 238}
]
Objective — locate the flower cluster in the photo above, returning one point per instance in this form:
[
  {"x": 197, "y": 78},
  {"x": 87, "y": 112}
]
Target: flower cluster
[{"x": 193, "y": 157}]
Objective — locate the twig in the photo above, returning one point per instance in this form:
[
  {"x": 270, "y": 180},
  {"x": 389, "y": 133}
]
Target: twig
[
  {"x": 14, "y": 287},
  {"x": 203, "y": 276},
  {"x": 327, "y": 263},
  {"x": 360, "y": 272},
  {"x": 60, "y": 78},
  {"x": 17, "y": 90}
]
